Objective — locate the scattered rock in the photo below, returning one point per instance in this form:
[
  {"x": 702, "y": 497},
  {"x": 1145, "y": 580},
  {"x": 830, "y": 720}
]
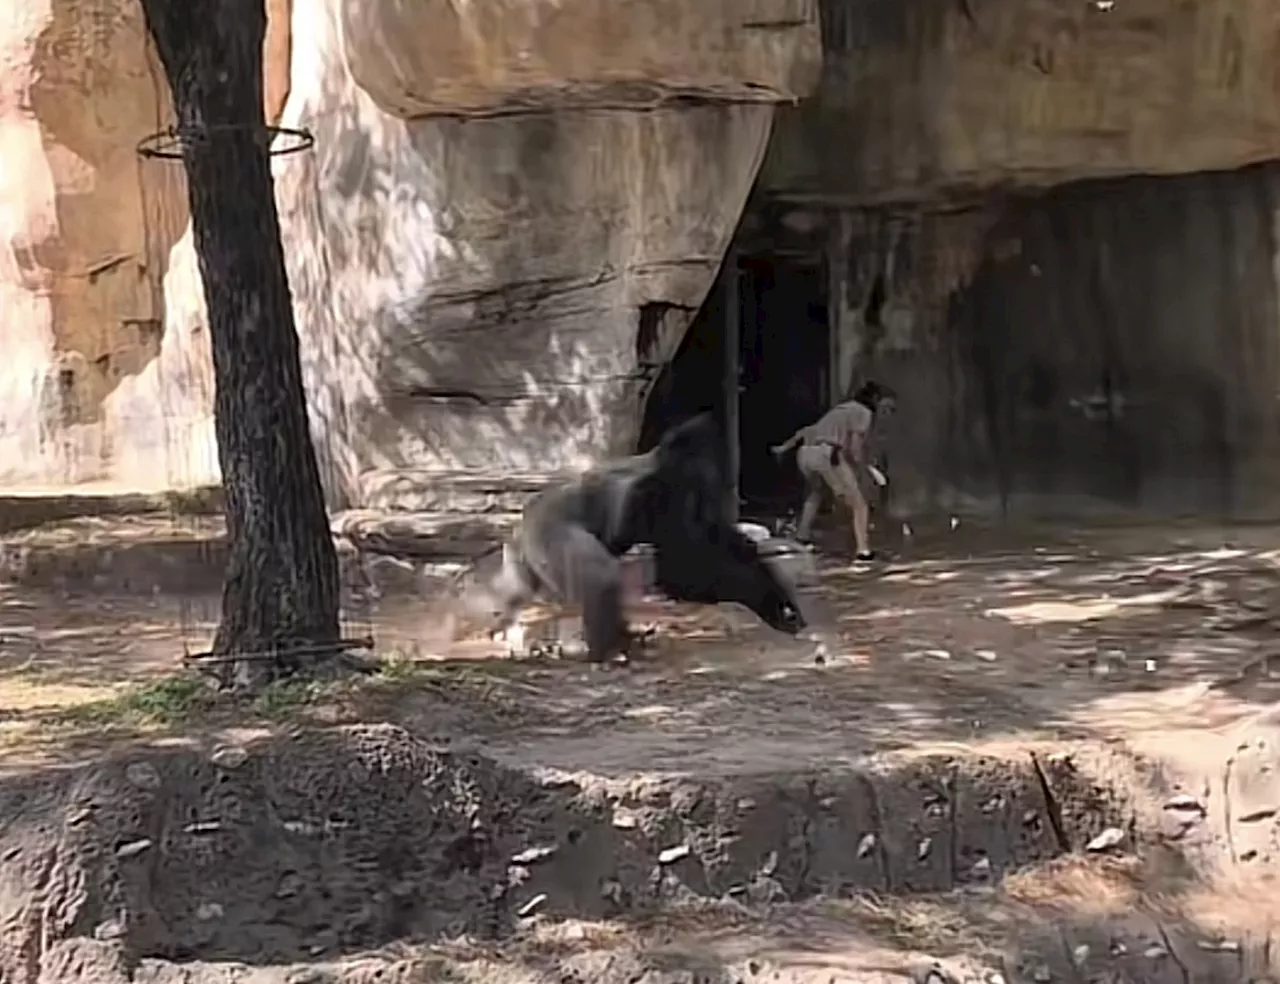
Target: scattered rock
[
  {"x": 109, "y": 929},
  {"x": 229, "y": 757},
  {"x": 133, "y": 848},
  {"x": 673, "y": 854},
  {"x": 1184, "y": 801},
  {"x": 143, "y": 775},
  {"x": 1110, "y": 838},
  {"x": 532, "y": 855}
]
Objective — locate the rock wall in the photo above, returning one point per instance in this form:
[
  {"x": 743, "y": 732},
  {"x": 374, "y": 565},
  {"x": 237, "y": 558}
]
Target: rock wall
[
  {"x": 107, "y": 377},
  {"x": 1112, "y": 346},
  {"x": 945, "y": 97},
  {"x": 513, "y": 211},
  {"x": 1106, "y": 345},
  {"x": 468, "y": 290}
]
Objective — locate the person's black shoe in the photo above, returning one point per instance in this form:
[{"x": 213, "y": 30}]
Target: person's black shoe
[{"x": 865, "y": 555}]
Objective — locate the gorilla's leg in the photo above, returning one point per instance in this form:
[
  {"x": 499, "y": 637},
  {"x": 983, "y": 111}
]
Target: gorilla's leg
[
  {"x": 726, "y": 566},
  {"x": 575, "y": 568}
]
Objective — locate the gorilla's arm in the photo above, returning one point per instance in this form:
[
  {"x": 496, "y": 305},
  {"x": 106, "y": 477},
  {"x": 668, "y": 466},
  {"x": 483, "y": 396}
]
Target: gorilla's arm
[
  {"x": 700, "y": 555},
  {"x": 727, "y": 568}
]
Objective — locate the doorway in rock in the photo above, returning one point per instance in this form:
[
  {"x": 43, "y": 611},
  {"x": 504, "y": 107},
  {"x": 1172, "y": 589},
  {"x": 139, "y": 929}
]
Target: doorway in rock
[
  {"x": 783, "y": 374},
  {"x": 777, "y": 347}
]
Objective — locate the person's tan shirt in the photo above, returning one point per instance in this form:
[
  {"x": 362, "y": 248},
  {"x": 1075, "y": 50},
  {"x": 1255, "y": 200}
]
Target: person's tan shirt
[{"x": 846, "y": 425}]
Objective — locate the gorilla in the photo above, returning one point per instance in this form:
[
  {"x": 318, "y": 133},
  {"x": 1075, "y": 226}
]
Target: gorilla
[{"x": 572, "y": 535}]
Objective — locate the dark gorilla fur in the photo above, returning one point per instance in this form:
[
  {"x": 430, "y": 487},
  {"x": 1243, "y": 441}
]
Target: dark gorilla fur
[{"x": 673, "y": 498}]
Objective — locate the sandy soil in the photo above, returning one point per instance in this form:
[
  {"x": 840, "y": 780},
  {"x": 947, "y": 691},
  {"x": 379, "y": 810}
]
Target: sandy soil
[{"x": 988, "y": 708}]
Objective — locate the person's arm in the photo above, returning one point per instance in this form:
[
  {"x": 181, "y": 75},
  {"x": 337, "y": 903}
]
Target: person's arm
[
  {"x": 780, "y": 449},
  {"x": 855, "y": 438}
]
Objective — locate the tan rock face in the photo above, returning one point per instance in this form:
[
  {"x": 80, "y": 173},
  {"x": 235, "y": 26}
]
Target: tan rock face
[
  {"x": 923, "y": 99},
  {"x": 440, "y": 56},
  {"x": 468, "y": 293},
  {"x": 108, "y": 377},
  {"x": 80, "y": 258}
]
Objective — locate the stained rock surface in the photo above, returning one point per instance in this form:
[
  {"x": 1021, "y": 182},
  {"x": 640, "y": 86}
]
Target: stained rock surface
[{"x": 468, "y": 291}]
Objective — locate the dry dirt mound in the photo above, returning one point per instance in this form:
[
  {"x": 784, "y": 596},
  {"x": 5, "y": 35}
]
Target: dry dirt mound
[{"x": 327, "y": 843}]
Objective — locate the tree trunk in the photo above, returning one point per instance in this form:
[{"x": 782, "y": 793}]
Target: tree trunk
[{"x": 280, "y": 599}]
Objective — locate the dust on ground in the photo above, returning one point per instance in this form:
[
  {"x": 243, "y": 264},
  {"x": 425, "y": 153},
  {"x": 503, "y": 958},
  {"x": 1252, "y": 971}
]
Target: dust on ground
[{"x": 985, "y": 712}]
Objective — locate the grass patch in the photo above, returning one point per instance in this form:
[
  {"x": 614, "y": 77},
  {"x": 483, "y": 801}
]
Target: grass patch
[
  {"x": 178, "y": 700},
  {"x": 166, "y": 701},
  {"x": 284, "y": 697}
]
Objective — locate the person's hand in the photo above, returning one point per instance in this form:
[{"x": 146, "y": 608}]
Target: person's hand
[{"x": 776, "y": 450}]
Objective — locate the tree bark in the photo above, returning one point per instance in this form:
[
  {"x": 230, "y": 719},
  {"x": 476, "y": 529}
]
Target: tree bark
[{"x": 281, "y": 595}]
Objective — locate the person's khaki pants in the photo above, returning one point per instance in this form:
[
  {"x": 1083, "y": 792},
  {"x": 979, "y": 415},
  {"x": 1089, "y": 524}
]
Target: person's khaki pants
[{"x": 821, "y": 473}]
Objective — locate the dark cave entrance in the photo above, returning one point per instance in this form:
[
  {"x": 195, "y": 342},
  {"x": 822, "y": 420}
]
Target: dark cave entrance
[{"x": 758, "y": 356}]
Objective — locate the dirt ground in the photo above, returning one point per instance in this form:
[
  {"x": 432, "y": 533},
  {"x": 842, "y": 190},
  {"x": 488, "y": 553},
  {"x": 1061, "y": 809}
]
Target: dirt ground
[{"x": 1023, "y": 757}]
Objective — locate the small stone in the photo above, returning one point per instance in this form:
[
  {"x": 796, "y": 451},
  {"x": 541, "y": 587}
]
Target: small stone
[
  {"x": 986, "y": 655},
  {"x": 1219, "y": 946},
  {"x": 1155, "y": 951},
  {"x": 922, "y": 849},
  {"x": 1041, "y": 974},
  {"x": 532, "y": 855},
  {"x": 1184, "y": 801},
  {"x": 142, "y": 775},
  {"x": 290, "y": 884},
  {"x": 625, "y": 821},
  {"x": 1105, "y": 841},
  {"x": 229, "y": 756},
  {"x": 1079, "y": 955},
  {"x": 673, "y": 854},
  {"x": 981, "y": 868},
  {"x": 938, "y": 653},
  {"x": 866, "y": 845},
  {"x": 307, "y": 975},
  {"x": 770, "y": 864},
  {"x": 1118, "y": 949},
  {"x": 133, "y": 848},
  {"x": 110, "y": 929},
  {"x": 202, "y": 827},
  {"x": 532, "y": 906},
  {"x": 208, "y": 910}
]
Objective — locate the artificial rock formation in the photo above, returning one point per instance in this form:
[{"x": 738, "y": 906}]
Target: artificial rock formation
[
  {"x": 513, "y": 210},
  {"x": 107, "y": 377},
  {"x": 955, "y": 97},
  {"x": 468, "y": 290},
  {"x": 1068, "y": 332}
]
